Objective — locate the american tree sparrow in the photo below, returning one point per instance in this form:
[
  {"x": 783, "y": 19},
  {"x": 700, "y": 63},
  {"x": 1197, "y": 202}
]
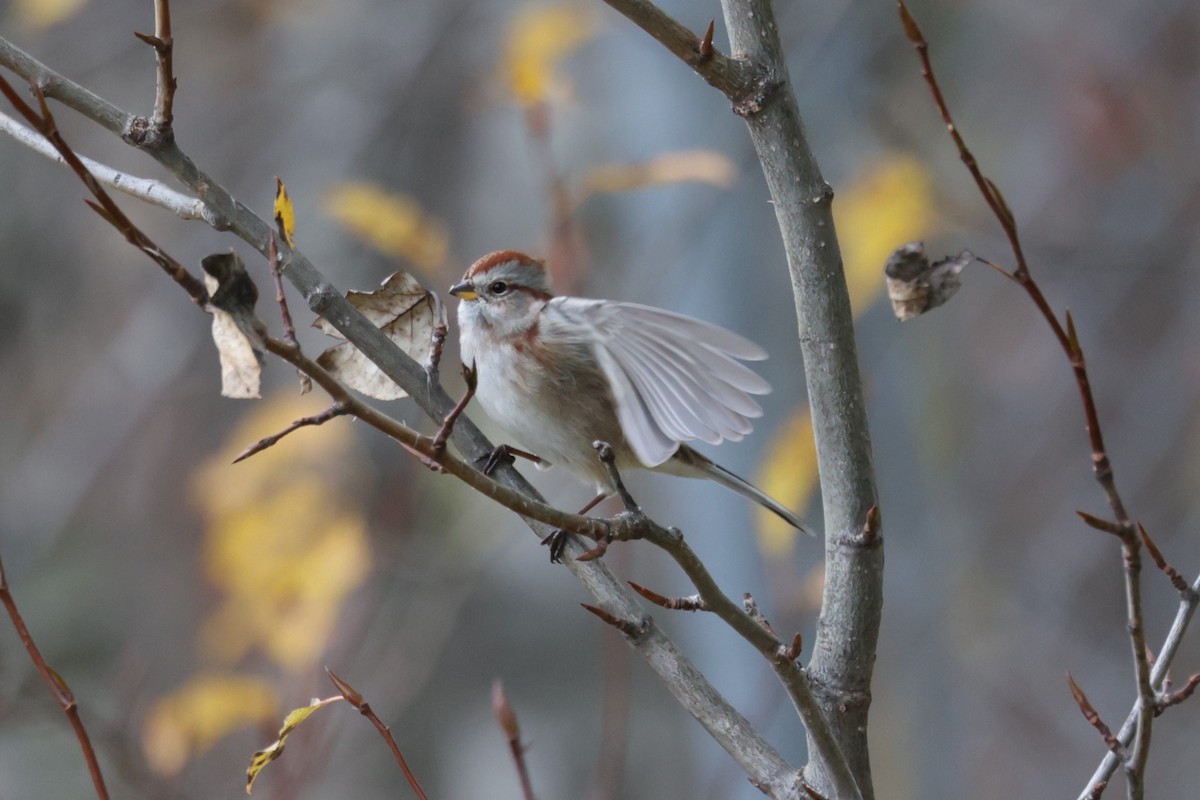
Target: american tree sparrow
[{"x": 559, "y": 373}]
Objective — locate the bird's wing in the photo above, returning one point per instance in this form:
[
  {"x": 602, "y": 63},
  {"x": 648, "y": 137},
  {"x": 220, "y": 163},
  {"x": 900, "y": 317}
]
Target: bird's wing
[{"x": 674, "y": 378}]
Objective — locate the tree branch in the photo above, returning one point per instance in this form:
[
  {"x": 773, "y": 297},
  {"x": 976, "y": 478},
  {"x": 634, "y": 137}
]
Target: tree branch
[
  {"x": 759, "y": 88},
  {"x": 691, "y": 689},
  {"x": 147, "y": 190},
  {"x": 57, "y": 686}
]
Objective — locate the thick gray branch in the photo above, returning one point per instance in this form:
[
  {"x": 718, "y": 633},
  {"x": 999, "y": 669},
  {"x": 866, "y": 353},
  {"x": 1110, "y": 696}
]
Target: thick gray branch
[
  {"x": 848, "y": 628},
  {"x": 729, "y": 728}
]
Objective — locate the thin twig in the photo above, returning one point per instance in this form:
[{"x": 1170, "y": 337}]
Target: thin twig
[
  {"x": 354, "y": 698},
  {"x": 54, "y": 682},
  {"x": 106, "y": 208},
  {"x": 1068, "y": 340},
  {"x": 471, "y": 376},
  {"x": 507, "y": 719},
  {"x": 147, "y": 190},
  {"x": 289, "y": 327},
  {"x": 1169, "y": 699},
  {"x": 1156, "y": 555},
  {"x": 164, "y": 45},
  {"x": 1093, "y": 718},
  {"x": 692, "y": 603},
  {"x": 733, "y": 77},
  {"x": 334, "y": 411}
]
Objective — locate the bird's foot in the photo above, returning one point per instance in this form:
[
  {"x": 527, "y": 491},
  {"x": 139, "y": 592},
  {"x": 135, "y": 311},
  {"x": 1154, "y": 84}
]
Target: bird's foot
[{"x": 504, "y": 454}]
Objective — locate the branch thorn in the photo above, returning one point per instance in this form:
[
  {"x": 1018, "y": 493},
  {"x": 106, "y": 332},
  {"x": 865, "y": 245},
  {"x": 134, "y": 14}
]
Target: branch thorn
[{"x": 628, "y": 627}]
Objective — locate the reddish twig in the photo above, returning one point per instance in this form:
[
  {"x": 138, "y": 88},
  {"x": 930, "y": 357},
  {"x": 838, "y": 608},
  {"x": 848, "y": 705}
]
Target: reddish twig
[
  {"x": 507, "y": 720},
  {"x": 470, "y": 375},
  {"x": 1168, "y": 699},
  {"x": 354, "y": 698},
  {"x": 54, "y": 682},
  {"x": 44, "y": 123},
  {"x": 693, "y": 603},
  {"x": 1156, "y": 555},
  {"x": 1068, "y": 340},
  {"x": 163, "y": 44},
  {"x": 334, "y": 411},
  {"x": 289, "y": 327},
  {"x": 1093, "y": 718},
  {"x": 1100, "y": 524},
  {"x": 628, "y": 627}
]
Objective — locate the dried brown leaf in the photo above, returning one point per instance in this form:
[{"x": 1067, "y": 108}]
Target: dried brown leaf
[
  {"x": 235, "y": 329},
  {"x": 404, "y": 311},
  {"x": 915, "y": 286}
]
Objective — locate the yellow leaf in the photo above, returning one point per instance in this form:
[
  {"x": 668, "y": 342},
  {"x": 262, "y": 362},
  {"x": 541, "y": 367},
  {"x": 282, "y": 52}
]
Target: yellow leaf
[
  {"x": 285, "y": 545},
  {"x": 539, "y": 38},
  {"x": 197, "y": 715},
  {"x": 44, "y": 13},
  {"x": 885, "y": 205},
  {"x": 393, "y": 224},
  {"x": 700, "y": 166},
  {"x": 285, "y": 212},
  {"x": 789, "y": 474},
  {"x": 275, "y": 749}
]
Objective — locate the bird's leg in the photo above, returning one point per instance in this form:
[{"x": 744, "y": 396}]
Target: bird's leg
[
  {"x": 444, "y": 430},
  {"x": 605, "y": 453},
  {"x": 503, "y": 454},
  {"x": 557, "y": 539}
]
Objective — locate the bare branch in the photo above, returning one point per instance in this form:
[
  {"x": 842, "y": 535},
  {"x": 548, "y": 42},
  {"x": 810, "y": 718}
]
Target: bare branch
[
  {"x": 693, "y": 691},
  {"x": 1093, "y": 718},
  {"x": 164, "y": 45},
  {"x": 693, "y": 603},
  {"x": 55, "y": 683},
  {"x": 147, "y": 190},
  {"x": 507, "y": 720},
  {"x": 44, "y": 122},
  {"x": 1175, "y": 698},
  {"x": 1156, "y": 555},
  {"x": 334, "y": 411},
  {"x": 355, "y": 699},
  {"x": 1179, "y": 626},
  {"x": 1068, "y": 340},
  {"x": 735, "y": 78}
]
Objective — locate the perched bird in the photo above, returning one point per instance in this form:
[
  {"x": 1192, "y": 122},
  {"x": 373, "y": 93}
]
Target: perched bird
[{"x": 559, "y": 373}]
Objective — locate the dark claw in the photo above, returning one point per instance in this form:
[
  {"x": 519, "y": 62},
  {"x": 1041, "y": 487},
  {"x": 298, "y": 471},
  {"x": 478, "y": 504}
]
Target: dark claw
[
  {"x": 557, "y": 542},
  {"x": 498, "y": 456}
]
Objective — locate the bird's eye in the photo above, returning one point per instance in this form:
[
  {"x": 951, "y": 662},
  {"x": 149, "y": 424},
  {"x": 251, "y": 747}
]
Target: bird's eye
[{"x": 498, "y": 288}]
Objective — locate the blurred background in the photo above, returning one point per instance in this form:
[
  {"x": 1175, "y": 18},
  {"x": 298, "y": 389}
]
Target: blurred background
[{"x": 190, "y": 603}]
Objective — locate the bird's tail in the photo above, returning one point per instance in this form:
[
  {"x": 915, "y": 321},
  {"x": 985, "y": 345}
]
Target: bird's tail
[{"x": 692, "y": 464}]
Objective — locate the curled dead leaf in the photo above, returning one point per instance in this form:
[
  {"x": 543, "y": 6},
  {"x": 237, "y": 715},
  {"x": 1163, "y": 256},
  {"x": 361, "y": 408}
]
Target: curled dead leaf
[
  {"x": 915, "y": 286},
  {"x": 275, "y": 749},
  {"x": 236, "y": 332},
  {"x": 404, "y": 310}
]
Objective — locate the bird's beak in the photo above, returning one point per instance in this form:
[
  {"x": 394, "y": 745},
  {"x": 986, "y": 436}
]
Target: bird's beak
[{"x": 464, "y": 291}]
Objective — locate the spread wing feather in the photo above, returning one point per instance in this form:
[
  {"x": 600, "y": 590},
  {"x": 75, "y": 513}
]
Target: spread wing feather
[{"x": 674, "y": 378}]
